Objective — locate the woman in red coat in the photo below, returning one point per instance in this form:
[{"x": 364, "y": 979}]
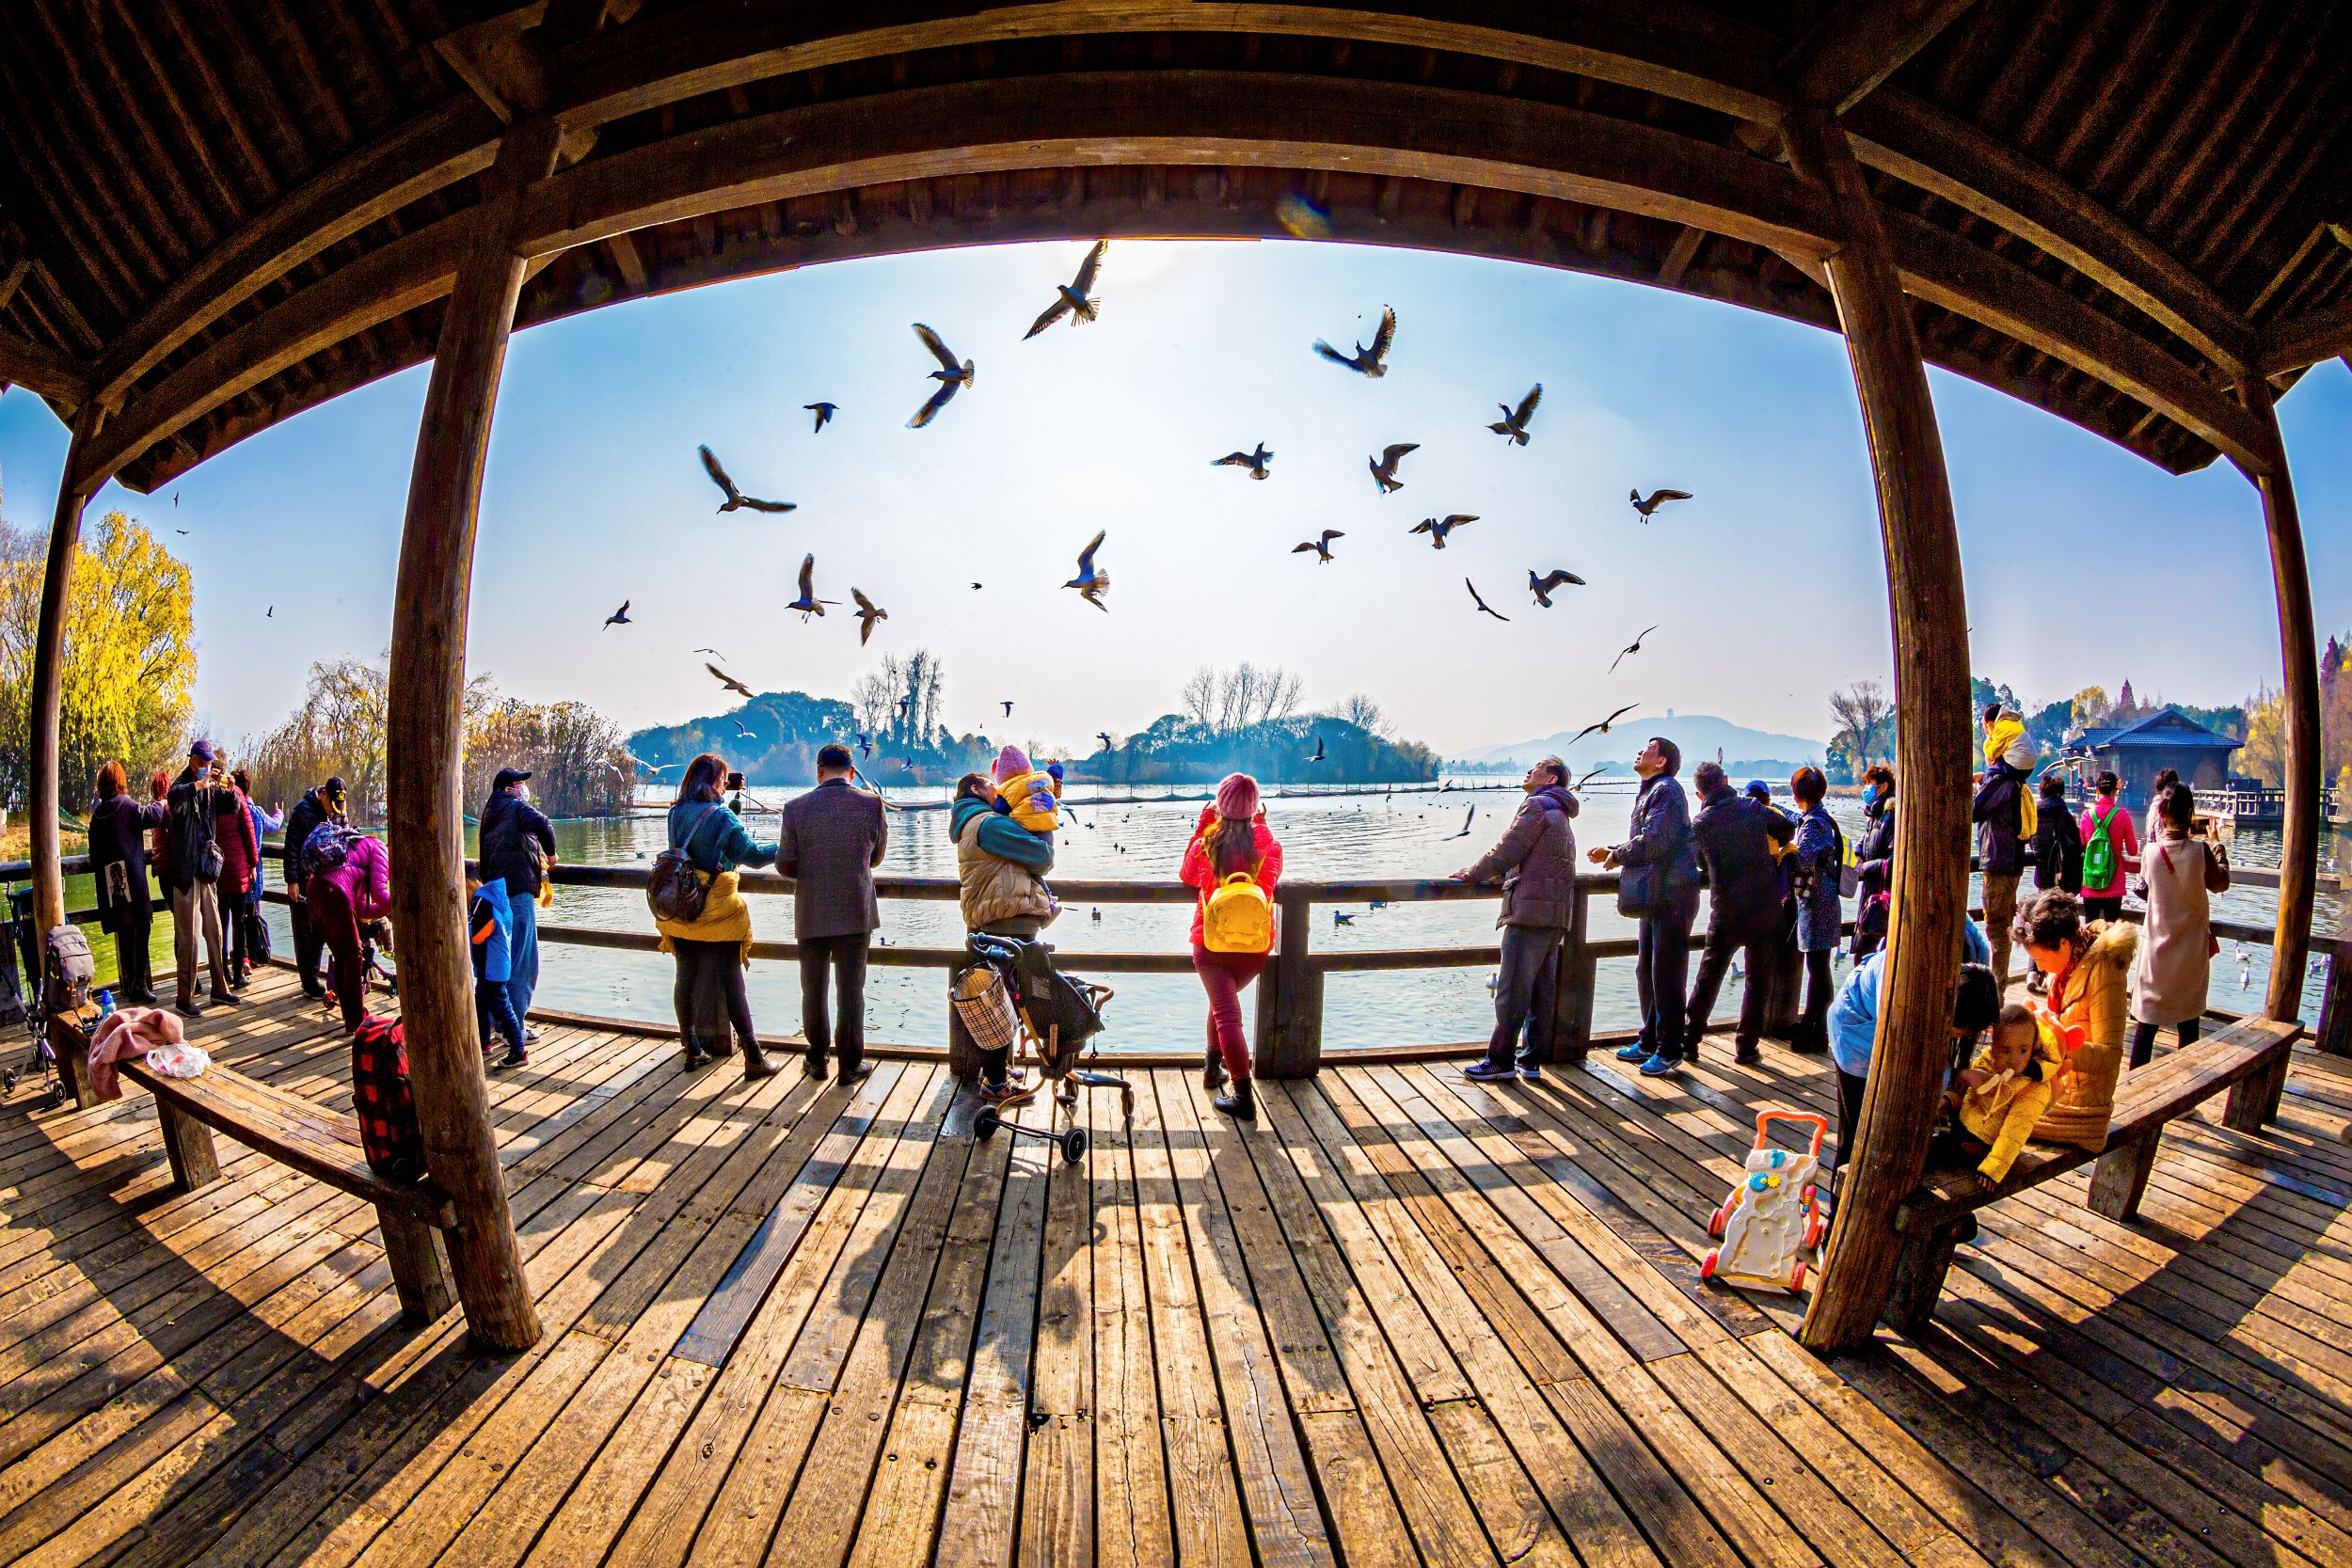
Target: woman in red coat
[
  {"x": 1231, "y": 837},
  {"x": 240, "y": 860}
]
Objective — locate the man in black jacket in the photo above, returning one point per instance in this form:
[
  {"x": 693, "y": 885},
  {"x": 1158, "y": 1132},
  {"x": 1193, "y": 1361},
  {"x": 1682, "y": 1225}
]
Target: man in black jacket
[
  {"x": 321, "y": 803},
  {"x": 1736, "y": 838},
  {"x": 834, "y": 836},
  {"x": 1660, "y": 888},
  {"x": 518, "y": 844},
  {"x": 1999, "y": 811},
  {"x": 191, "y": 872}
]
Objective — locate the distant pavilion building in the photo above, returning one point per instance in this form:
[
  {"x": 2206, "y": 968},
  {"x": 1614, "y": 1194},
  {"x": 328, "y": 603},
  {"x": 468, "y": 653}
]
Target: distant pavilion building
[{"x": 2139, "y": 751}]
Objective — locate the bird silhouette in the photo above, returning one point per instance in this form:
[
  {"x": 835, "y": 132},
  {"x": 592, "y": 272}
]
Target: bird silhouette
[
  {"x": 1007, "y": 709},
  {"x": 1341, "y": 917},
  {"x": 866, "y": 745},
  {"x": 1105, "y": 736},
  {"x": 952, "y": 377},
  {"x": 1093, "y": 581},
  {"x": 975, "y": 585},
  {"x": 729, "y": 681},
  {"x": 1542, "y": 586},
  {"x": 1594, "y": 774},
  {"x": 808, "y": 603},
  {"x": 1071, "y": 300},
  {"x": 741, "y": 731},
  {"x": 1322, "y": 546},
  {"x": 619, "y": 617},
  {"x": 1368, "y": 362},
  {"x": 1254, "y": 461},
  {"x": 906, "y": 765},
  {"x": 181, "y": 531},
  {"x": 866, "y": 616},
  {"x": 1513, "y": 421},
  {"x": 175, "y": 498},
  {"x": 1657, "y": 500},
  {"x": 1632, "y": 647},
  {"x": 1601, "y": 728},
  {"x": 1384, "y": 467},
  {"x": 1465, "y": 823},
  {"x": 736, "y": 498},
  {"x": 823, "y": 411},
  {"x": 1318, "y": 756},
  {"x": 713, "y": 651},
  {"x": 1482, "y": 604},
  {"x": 271, "y": 613},
  {"x": 1437, "y": 528}
]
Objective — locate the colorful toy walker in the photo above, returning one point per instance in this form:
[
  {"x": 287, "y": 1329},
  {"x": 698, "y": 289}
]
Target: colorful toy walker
[{"x": 1771, "y": 1225}]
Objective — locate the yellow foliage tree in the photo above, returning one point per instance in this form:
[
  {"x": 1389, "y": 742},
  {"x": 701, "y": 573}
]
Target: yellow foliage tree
[{"x": 2265, "y": 755}]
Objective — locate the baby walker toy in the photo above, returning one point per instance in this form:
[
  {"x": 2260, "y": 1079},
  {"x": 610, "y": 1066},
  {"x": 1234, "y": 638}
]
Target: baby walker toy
[{"x": 1772, "y": 1221}]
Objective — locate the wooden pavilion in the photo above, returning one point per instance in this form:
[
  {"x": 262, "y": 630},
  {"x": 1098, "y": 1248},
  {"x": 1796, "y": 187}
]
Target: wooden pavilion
[{"x": 216, "y": 216}]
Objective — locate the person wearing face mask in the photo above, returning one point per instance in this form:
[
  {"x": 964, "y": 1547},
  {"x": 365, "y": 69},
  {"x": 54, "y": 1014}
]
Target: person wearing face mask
[{"x": 518, "y": 845}]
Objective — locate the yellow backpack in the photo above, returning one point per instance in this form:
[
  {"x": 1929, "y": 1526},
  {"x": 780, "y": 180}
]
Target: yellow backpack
[{"x": 1237, "y": 917}]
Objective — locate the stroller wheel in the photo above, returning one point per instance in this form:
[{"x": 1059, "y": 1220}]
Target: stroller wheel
[
  {"x": 7, "y": 1081},
  {"x": 984, "y": 1125},
  {"x": 1074, "y": 1144}
]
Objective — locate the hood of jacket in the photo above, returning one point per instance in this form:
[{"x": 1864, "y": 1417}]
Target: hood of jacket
[
  {"x": 963, "y": 812},
  {"x": 992, "y": 889}
]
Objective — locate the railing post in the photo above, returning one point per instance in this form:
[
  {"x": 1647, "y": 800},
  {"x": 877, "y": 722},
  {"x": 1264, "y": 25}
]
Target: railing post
[
  {"x": 2335, "y": 1008},
  {"x": 1572, "y": 984},
  {"x": 1290, "y": 1022}
]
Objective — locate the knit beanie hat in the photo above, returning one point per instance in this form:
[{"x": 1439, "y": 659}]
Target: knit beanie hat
[
  {"x": 1237, "y": 796},
  {"x": 1011, "y": 763}
]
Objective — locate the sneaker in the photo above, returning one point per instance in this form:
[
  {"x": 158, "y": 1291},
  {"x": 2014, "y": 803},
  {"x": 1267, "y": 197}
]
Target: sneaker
[
  {"x": 530, "y": 1035},
  {"x": 1661, "y": 1067},
  {"x": 1637, "y": 1051},
  {"x": 515, "y": 1057},
  {"x": 1531, "y": 1073},
  {"x": 1485, "y": 1071},
  {"x": 1006, "y": 1092}
]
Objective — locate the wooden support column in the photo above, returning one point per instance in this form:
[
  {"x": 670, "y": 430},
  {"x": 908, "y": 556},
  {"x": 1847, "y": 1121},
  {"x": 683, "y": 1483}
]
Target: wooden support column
[
  {"x": 1931, "y": 881},
  {"x": 1290, "y": 1013},
  {"x": 426, "y": 703},
  {"x": 2298, "y": 848},
  {"x": 57, "y": 585}
]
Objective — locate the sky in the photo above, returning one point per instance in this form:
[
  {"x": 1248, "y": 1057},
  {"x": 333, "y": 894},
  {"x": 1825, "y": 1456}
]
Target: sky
[{"x": 2086, "y": 565}]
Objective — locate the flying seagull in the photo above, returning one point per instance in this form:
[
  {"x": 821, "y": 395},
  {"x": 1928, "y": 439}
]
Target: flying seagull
[
  {"x": 619, "y": 617},
  {"x": 1105, "y": 736},
  {"x": 1513, "y": 421},
  {"x": 742, "y": 731},
  {"x": 1466, "y": 824},
  {"x": 1254, "y": 461},
  {"x": 729, "y": 681},
  {"x": 1594, "y": 774},
  {"x": 1632, "y": 647},
  {"x": 1657, "y": 500},
  {"x": 1437, "y": 528},
  {"x": 952, "y": 377},
  {"x": 1322, "y": 546},
  {"x": 1093, "y": 581},
  {"x": 1542, "y": 586},
  {"x": 1007, "y": 709},
  {"x": 1318, "y": 756},
  {"x": 713, "y": 651},
  {"x": 1070, "y": 298},
  {"x": 866, "y": 615},
  {"x": 976, "y": 586},
  {"x": 271, "y": 613},
  {"x": 1366, "y": 361},
  {"x": 866, "y": 745},
  {"x": 734, "y": 498},
  {"x": 1601, "y": 728},
  {"x": 1481, "y": 602},
  {"x": 808, "y": 603},
  {"x": 1384, "y": 467},
  {"x": 823, "y": 411}
]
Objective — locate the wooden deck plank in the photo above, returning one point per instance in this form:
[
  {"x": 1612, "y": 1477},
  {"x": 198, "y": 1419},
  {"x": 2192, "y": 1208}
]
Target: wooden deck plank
[{"x": 1056, "y": 1526}]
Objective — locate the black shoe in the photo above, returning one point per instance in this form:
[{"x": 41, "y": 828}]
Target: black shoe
[
  {"x": 1747, "y": 1055},
  {"x": 1242, "y": 1105},
  {"x": 1213, "y": 1070},
  {"x": 190, "y": 1009},
  {"x": 814, "y": 1066},
  {"x": 852, "y": 1076},
  {"x": 515, "y": 1057}
]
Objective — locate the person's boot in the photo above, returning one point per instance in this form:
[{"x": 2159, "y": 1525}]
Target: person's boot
[
  {"x": 756, "y": 1063},
  {"x": 1213, "y": 1070},
  {"x": 696, "y": 1056},
  {"x": 1241, "y": 1104}
]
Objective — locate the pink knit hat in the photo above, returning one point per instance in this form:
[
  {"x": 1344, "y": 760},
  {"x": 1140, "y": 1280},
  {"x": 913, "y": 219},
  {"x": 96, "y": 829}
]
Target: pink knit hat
[
  {"x": 1011, "y": 763},
  {"x": 1237, "y": 796}
]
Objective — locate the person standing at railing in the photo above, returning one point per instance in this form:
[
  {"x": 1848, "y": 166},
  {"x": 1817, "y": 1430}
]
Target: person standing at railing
[
  {"x": 344, "y": 898},
  {"x": 711, "y": 951},
  {"x": 1661, "y": 889},
  {"x": 518, "y": 846},
  {"x": 1874, "y": 861},
  {"x": 1536, "y": 863},
  {"x": 1998, "y": 810},
  {"x": 1818, "y": 859},
  {"x": 192, "y": 867},
  {"x": 1736, "y": 835},
  {"x": 319, "y": 804},
  {"x": 1000, "y": 873},
  {"x": 240, "y": 862},
  {"x": 2153, "y": 828},
  {"x": 1230, "y": 840},
  {"x": 264, "y": 823},
  {"x": 833, "y": 837},
  {"x": 2181, "y": 869},
  {"x": 2110, "y": 850},
  {"x": 118, "y": 827}
]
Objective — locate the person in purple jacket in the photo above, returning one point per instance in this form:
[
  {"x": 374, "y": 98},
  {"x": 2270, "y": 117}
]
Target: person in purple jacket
[{"x": 343, "y": 899}]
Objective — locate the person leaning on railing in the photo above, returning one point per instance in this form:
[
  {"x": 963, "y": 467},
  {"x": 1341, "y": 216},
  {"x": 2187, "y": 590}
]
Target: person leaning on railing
[
  {"x": 1661, "y": 889},
  {"x": 320, "y": 804},
  {"x": 1230, "y": 839},
  {"x": 1738, "y": 837},
  {"x": 1536, "y": 863},
  {"x": 118, "y": 827},
  {"x": 711, "y": 951}
]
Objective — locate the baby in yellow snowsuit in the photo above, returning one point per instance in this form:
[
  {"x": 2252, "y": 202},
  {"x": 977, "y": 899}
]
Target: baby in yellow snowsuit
[{"x": 2001, "y": 1095}]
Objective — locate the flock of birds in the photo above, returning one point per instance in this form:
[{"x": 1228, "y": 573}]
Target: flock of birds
[{"x": 1076, "y": 303}]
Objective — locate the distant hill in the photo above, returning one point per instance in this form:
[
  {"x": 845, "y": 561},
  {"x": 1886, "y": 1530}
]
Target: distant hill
[{"x": 1700, "y": 736}]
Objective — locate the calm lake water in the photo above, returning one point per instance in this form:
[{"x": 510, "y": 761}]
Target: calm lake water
[{"x": 1327, "y": 838}]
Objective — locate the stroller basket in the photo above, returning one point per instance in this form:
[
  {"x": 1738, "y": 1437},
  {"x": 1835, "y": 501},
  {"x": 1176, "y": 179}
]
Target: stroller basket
[{"x": 985, "y": 1005}]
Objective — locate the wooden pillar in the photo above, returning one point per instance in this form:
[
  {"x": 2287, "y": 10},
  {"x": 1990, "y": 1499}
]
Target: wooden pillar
[
  {"x": 1574, "y": 975},
  {"x": 2299, "y": 835},
  {"x": 1290, "y": 1023},
  {"x": 1930, "y": 881},
  {"x": 2334, "y": 1037},
  {"x": 65, "y": 537},
  {"x": 426, "y": 704}
]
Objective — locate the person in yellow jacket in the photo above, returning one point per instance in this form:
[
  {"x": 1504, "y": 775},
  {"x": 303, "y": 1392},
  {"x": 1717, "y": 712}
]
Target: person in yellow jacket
[
  {"x": 2089, "y": 966},
  {"x": 711, "y": 951},
  {"x": 1998, "y": 1098}
]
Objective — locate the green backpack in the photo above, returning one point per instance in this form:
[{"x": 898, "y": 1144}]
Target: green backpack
[{"x": 2099, "y": 852}]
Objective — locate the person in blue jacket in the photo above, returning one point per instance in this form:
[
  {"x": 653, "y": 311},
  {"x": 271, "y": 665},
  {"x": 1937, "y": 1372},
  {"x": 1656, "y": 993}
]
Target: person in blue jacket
[
  {"x": 1853, "y": 1018},
  {"x": 490, "y": 927},
  {"x": 1661, "y": 889},
  {"x": 1818, "y": 858}
]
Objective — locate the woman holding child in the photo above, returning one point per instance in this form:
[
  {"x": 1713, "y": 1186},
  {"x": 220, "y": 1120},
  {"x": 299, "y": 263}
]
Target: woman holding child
[{"x": 1000, "y": 873}]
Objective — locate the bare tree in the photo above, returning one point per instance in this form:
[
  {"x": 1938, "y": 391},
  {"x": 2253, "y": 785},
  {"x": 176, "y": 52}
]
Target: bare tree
[
  {"x": 1865, "y": 721},
  {"x": 1200, "y": 697},
  {"x": 875, "y": 697},
  {"x": 1360, "y": 709},
  {"x": 1279, "y": 694}
]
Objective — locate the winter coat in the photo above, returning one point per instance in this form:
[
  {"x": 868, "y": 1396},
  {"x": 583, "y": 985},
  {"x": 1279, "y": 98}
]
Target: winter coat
[
  {"x": 1997, "y": 813},
  {"x": 240, "y": 846},
  {"x": 1196, "y": 871},
  {"x": 2058, "y": 852},
  {"x": 718, "y": 849},
  {"x": 490, "y": 925},
  {"x": 2175, "y": 960},
  {"x": 2090, "y": 996},
  {"x": 118, "y": 827},
  {"x": 2120, "y": 833},
  {"x": 2003, "y": 1114},
  {"x": 365, "y": 878},
  {"x": 1660, "y": 865},
  {"x": 183, "y": 841},
  {"x": 1001, "y": 866},
  {"x": 1819, "y": 913},
  {"x": 1853, "y": 1015},
  {"x": 301, "y": 821},
  {"x": 833, "y": 837},
  {"x": 1536, "y": 860},
  {"x": 1735, "y": 838},
  {"x": 512, "y": 830}
]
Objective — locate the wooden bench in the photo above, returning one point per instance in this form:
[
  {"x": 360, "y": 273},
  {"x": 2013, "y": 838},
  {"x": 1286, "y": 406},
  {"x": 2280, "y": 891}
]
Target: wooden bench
[
  {"x": 2249, "y": 1058},
  {"x": 317, "y": 1142}
]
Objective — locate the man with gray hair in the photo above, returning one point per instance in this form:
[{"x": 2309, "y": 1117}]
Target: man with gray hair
[
  {"x": 1661, "y": 889},
  {"x": 833, "y": 837}
]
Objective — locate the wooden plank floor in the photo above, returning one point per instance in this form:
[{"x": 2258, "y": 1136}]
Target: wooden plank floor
[{"x": 1406, "y": 1318}]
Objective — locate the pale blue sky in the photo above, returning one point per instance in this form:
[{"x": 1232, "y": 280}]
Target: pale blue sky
[{"x": 2081, "y": 558}]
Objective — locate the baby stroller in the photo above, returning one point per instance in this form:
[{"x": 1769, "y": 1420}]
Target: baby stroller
[{"x": 1009, "y": 994}]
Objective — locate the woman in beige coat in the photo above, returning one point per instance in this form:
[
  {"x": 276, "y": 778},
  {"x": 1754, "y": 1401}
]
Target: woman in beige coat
[{"x": 2182, "y": 871}]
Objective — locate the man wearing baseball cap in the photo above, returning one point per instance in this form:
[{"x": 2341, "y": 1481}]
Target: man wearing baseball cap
[
  {"x": 192, "y": 872},
  {"x": 321, "y": 803},
  {"x": 518, "y": 844}
]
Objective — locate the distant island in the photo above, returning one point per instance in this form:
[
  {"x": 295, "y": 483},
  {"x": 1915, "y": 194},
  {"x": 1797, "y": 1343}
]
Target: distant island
[{"x": 1701, "y": 737}]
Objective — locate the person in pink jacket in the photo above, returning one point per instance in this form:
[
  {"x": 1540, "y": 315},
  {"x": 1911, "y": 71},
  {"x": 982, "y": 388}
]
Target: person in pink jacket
[
  {"x": 1232, "y": 837},
  {"x": 342, "y": 899},
  {"x": 2104, "y": 899}
]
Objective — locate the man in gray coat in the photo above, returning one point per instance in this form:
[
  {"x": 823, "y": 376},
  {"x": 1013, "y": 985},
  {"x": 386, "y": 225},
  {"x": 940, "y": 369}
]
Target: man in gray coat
[
  {"x": 1535, "y": 861},
  {"x": 833, "y": 837}
]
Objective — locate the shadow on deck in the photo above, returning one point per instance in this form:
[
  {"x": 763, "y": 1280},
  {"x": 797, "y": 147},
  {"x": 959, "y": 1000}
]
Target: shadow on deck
[{"x": 1406, "y": 1318}]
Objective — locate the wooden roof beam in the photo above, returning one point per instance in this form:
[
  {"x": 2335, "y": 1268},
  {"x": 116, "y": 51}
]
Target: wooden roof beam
[
  {"x": 2304, "y": 340},
  {"x": 44, "y": 370},
  {"x": 1844, "y": 57},
  {"x": 505, "y": 68}
]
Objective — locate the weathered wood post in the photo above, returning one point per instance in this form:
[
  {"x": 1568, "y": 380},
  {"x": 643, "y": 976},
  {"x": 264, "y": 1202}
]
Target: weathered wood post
[
  {"x": 2334, "y": 1037},
  {"x": 1290, "y": 1024},
  {"x": 57, "y": 586},
  {"x": 1573, "y": 977},
  {"x": 1931, "y": 881},
  {"x": 2298, "y": 835},
  {"x": 425, "y": 706}
]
